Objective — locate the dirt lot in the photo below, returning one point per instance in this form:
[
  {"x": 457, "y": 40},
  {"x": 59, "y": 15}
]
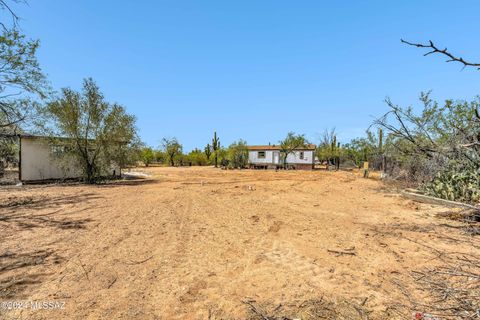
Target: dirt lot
[{"x": 200, "y": 243}]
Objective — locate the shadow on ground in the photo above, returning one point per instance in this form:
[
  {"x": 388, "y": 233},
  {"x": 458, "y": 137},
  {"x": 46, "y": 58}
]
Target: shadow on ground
[
  {"x": 29, "y": 212},
  {"x": 18, "y": 271},
  {"x": 26, "y": 265}
]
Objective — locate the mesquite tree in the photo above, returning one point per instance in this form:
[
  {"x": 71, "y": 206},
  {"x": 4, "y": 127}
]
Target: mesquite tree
[
  {"x": 463, "y": 121},
  {"x": 172, "y": 148},
  {"x": 291, "y": 142},
  {"x": 328, "y": 149},
  {"x": 438, "y": 147},
  {"x": 147, "y": 155},
  {"x": 22, "y": 82},
  {"x": 97, "y": 133},
  {"x": 237, "y": 154}
]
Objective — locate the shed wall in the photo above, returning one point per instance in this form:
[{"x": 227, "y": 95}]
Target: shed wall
[{"x": 38, "y": 162}]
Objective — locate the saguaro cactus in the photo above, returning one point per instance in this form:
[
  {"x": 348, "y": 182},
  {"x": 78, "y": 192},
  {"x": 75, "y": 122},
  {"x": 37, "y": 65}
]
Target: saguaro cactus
[
  {"x": 215, "y": 147},
  {"x": 381, "y": 151},
  {"x": 208, "y": 151}
]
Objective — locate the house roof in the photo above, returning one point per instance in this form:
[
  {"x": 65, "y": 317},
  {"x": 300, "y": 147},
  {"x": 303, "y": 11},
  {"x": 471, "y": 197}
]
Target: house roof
[{"x": 277, "y": 147}]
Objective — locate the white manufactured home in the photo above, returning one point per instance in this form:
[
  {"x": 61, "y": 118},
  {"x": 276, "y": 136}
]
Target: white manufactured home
[
  {"x": 41, "y": 159},
  {"x": 270, "y": 157}
]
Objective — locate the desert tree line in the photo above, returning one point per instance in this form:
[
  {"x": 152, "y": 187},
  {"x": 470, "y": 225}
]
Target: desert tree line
[
  {"x": 170, "y": 152},
  {"x": 234, "y": 156}
]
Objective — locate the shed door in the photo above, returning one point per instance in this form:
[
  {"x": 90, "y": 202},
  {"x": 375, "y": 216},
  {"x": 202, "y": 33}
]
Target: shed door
[{"x": 276, "y": 157}]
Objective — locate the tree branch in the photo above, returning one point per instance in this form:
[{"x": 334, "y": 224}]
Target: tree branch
[
  {"x": 434, "y": 49},
  {"x": 15, "y": 18}
]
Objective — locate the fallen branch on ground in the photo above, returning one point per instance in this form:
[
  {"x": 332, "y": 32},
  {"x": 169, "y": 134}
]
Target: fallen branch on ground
[
  {"x": 256, "y": 310},
  {"x": 139, "y": 262},
  {"x": 339, "y": 253},
  {"x": 452, "y": 288},
  {"x": 315, "y": 308}
]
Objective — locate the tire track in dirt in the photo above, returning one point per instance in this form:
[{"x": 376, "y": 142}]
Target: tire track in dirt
[
  {"x": 284, "y": 256},
  {"x": 177, "y": 258}
]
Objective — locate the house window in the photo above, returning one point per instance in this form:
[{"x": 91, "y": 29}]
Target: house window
[
  {"x": 301, "y": 155},
  {"x": 57, "y": 150},
  {"x": 60, "y": 150},
  {"x": 261, "y": 154}
]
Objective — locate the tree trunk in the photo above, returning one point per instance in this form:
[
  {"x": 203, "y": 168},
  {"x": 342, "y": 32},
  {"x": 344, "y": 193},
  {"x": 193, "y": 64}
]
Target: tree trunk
[
  {"x": 216, "y": 160},
  {"x": 2, "y": 169},
  {"x": 90, "y": 174}
]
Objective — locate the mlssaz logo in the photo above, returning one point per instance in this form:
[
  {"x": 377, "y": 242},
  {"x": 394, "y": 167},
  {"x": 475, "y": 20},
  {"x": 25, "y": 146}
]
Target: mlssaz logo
[{"x": 47, "y": 305}]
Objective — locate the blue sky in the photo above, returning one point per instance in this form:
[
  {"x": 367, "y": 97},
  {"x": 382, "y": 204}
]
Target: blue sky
[{"x": 255, "y": 69}]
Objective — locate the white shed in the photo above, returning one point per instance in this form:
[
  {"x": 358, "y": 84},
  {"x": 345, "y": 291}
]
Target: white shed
[{"x": 39, "y": 161}]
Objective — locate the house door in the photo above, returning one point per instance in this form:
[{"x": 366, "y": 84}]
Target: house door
[{"x": 276, "y": 157}]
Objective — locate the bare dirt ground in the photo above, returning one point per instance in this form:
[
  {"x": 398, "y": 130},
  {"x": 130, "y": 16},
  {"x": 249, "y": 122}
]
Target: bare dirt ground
[{"x": 204, "y": 243}]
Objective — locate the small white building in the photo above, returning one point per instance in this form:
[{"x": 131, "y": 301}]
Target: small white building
[
  {"x": 41, "y": 159},
  {"x": 269, "y": 157}
]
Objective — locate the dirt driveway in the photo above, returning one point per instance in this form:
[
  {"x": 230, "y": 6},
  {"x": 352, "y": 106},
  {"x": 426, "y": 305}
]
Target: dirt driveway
[{"x": 200, "y": 243}]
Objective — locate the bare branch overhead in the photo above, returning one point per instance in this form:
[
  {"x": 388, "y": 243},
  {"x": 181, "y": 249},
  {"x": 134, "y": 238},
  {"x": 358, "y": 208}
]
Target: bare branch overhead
[
  {"x": 434, "y": 49},
  {"x": 5, "y": 6}
]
